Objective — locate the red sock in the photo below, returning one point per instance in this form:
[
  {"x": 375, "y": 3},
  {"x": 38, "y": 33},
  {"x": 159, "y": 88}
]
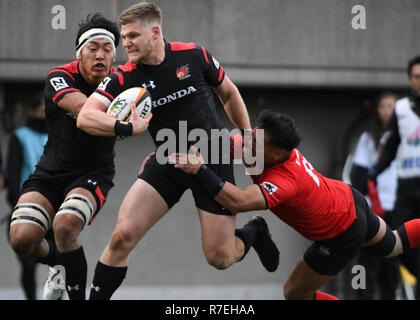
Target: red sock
[
  {"x": 412, "y": 228},
  {"x": 319, "y": 295}
]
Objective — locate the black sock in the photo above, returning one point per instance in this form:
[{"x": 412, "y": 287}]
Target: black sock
[
  {"x": 74, "y": 262},
  {"x": 27, "y": 277},
  {"x": 106, "y": 281},
  {"x": 52, "y": 258},
  {"x": 247, "y": 234}
]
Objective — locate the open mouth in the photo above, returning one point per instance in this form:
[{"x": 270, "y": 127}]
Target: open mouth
[{"x": 99, "y": 66}]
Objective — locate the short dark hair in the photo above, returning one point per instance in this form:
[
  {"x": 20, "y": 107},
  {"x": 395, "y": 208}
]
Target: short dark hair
[
  {"x": 281, "y": 129},
  {"x": 97, "y": 20},
  {"x": 411, "y": 63}
]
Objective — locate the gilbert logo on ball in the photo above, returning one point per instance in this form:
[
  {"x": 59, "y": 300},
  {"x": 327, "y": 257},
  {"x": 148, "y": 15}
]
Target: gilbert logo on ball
[{"x": 120, "y": 106}]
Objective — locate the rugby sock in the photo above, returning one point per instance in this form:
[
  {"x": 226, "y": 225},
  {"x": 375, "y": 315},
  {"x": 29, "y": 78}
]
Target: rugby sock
[
  {"x": 106, "y": 281},
  {"x": 52, "y": 258},
  {"x": 75, "y": 265},
  {"x": 319, "y": 295},
  {"x": 247, "y": 234},
  {"x": 409, "y": 233}
]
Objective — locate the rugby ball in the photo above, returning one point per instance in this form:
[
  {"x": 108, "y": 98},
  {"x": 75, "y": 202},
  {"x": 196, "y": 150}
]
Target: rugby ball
[{"x": 120, "y": 106}]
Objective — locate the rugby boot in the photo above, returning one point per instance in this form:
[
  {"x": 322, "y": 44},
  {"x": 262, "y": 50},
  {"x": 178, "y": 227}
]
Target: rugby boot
[{"x": 264, "y": 245}]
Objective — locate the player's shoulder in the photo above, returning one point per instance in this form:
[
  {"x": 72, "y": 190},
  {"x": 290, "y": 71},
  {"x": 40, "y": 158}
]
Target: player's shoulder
[
  {"x": 127, "y": 67},
  {"x": 182, "y": 46},
  {"x": 191, "y": 48},
  {"x": 70, "y": 69}
]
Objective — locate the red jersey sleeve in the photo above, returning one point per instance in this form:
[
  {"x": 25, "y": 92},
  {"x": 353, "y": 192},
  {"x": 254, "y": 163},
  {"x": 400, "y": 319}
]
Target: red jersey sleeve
[{"x": 276, "y": 189}]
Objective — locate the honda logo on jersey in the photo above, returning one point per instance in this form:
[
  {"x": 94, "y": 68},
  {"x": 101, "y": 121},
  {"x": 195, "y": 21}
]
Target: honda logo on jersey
[
  {"x": 58, "y": 83},
  {"x": 271, "y": 188}
]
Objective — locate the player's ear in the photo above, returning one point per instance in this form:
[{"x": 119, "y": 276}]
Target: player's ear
[
  {"x": 281, "y": 155},
  {"x": 155, "y": 32}
]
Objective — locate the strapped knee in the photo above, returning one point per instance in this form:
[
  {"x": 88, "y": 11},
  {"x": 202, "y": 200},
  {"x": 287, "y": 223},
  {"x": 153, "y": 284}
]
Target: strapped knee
[
  {"x": 32, "y": 213},
  {"x": 78, "y": 205}
]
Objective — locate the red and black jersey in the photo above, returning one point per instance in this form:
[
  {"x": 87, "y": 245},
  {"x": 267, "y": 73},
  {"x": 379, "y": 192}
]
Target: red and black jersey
[
  {"x": 68, "y": 147},
  {"x": 317, "y": 207},
  {"x": 180, "y": 87}
]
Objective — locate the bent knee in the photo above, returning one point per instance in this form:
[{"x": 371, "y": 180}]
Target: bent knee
[
  {"x": 123, "y": 239},
  {"x": 219, "y": 258},
  {"x": 66, "y": 227},
  {"x": 23, "y": 239}
]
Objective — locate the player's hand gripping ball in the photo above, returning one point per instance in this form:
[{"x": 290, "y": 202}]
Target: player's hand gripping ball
[{"x": 120, "y": 107}]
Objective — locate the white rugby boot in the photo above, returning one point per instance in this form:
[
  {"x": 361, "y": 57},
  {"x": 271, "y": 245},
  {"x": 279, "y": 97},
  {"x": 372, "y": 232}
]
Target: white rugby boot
[{"x": 54, "y": 285}]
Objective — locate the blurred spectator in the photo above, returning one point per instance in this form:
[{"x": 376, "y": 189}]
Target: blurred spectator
[
  {"x": 25, "y": 148},
  {"x": 403, "y": 144},
  {"x": 382, "y": 275}
]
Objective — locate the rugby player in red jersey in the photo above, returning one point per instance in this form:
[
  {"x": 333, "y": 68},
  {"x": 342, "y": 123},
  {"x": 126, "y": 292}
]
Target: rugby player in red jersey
[
  {"x": 76, "y": 170},
  {"x": 181, "y": 78},
  {"x": 329, "y": 212}
]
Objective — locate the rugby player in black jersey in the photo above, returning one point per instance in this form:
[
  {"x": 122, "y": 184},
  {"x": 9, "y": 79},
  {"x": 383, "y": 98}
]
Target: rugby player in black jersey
[
  {"x": 76, "y": 169},
  {"x": 181, "y": 78}
]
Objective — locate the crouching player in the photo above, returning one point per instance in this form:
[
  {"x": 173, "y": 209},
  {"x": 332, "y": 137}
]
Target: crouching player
[{"x": 329, "y": 212}]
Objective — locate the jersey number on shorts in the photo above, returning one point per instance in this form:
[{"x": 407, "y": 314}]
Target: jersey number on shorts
[{"x": 308, "y": 167}]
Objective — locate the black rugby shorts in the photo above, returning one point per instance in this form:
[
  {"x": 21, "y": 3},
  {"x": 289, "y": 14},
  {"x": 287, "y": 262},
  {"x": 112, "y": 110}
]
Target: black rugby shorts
[
  {"x": 171, "y": 183},
  {"x": 328, "y": 257},
  {"x": 55, "y": 185}
]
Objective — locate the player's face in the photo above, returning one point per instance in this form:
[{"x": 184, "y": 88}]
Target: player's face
[
  {"x": 96, "y": 60},
  {"x": 272, "y": 155},
  {"x": 386, "y": 108},
  {"x": 138, "y": 41},
  {"x": 415, "y": 78}
]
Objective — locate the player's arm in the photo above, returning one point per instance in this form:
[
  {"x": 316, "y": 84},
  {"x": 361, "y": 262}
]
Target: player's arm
[
  {"x": 61, "y": 89},
  {"x": 233, "y": 103},
  {"x": 241, "y": 200},
  {"x": 72, "y": 102},
  {"x": 228, "y": 195},
  {"x": 225, "y": 89},
  {"x": 93, "y": 118}
]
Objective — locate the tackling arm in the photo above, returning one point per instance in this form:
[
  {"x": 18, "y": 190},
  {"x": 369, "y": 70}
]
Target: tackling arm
[
  {"x": 238, "y": 200},
  {"x": 228, "y": 195}
]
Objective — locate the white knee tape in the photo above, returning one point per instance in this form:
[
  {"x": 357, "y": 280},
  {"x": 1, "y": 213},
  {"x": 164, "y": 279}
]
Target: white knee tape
[
  {"x": 31, "y": 213},
  {"x": 78, "y": 205}
]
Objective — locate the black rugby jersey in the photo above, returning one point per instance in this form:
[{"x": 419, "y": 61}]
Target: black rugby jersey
[
  {"x": 180, "y": 87},
  {"x": 69, "y": 148}
]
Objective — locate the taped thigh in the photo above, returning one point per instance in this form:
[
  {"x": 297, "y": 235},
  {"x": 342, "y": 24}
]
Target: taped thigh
[
  {"x": 78, "y": 205},
  {"x": 32, "y": 213}
]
